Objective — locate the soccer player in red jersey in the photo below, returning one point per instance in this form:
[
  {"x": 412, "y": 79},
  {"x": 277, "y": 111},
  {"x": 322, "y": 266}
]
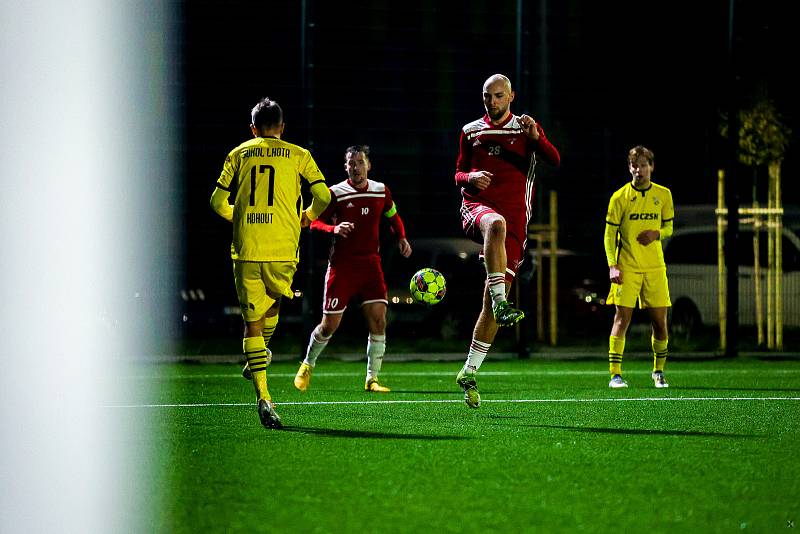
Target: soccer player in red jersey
[
  {"x": 354, "y": 267},
  {"x": 497, "y": 155}
]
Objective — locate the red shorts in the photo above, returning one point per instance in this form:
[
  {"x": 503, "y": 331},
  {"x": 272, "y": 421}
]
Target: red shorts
[
  {"x": 363, "y": 281},
  {"x": 516, "y": 233}
]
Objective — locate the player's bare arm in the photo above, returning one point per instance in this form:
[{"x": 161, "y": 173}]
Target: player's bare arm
[
  {"x": 480, "y": 179},
  {"x": 529, "y": 127},
  {"x": 405, "y": 247},
  {"x": 614, "y": 274},
  {"x": 648, "y": 236},
  {"x": 343, "y": 229}
]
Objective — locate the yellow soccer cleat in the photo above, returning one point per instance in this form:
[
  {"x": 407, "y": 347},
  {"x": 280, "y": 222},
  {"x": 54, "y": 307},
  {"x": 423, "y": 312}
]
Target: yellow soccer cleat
[
  {"x": 373, "y": 386},
  {"x": 303, "y": 376}
]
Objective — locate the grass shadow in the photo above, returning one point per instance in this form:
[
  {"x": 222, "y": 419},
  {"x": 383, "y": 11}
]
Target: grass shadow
[{"x": 341, "y": 433}]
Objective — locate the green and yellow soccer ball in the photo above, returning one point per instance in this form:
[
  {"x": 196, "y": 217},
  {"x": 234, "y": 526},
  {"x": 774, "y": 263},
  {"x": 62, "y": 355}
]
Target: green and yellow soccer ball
[{"x": 428, "y": 286}]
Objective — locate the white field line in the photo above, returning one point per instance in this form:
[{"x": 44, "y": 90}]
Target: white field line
[
  {"x": 446, "y": 401},
  {"x": 447, "y": 374}
]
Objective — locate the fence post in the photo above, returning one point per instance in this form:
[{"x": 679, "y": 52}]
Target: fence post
[{"x": 721, "y": 213}]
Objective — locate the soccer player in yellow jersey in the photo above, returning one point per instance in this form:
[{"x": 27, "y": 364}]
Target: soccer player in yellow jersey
[
  {"x": 639, "y": 216},
  {"x": 267, "y": 213}
]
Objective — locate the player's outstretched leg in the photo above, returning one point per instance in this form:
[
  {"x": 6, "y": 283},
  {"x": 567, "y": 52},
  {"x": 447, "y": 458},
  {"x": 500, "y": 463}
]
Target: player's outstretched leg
[
  {"x": 303, "y": 377},
  {"x": 466, "y": 378},
  {"x": 269, "y": 417},
  {"x": 505, "y": 314}
]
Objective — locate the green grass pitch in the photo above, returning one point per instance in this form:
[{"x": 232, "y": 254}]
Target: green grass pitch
[{"x": 551, "y": 449}]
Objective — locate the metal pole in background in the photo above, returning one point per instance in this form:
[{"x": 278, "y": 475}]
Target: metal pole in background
[
  {"x": 757, "y": 272},
  {"x": 721, "y": 274},
  {"x": 732, "y": 192},
  {"x": 553, "y": 268},
  {"x": 307, "y": 248},
  {"x": 771, "y": 222},
  {"x": 539, "y": 289},
  {"x": 543, "y": 79},
  {"x": 519, "y": 83},
  {"x": 775, "y": 176}
]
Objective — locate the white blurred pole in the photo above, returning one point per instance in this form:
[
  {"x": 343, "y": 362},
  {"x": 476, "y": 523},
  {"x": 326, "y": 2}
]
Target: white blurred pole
[{"x": 78, "y": 128}]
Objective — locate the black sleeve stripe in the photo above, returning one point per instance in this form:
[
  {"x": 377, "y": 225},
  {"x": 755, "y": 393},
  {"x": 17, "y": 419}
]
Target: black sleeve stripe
[
  {"x": 223, "y": 187},
  {"x": 312, "y": 184},
  {"x": 667, "y": 220},
  {"x": 612, "y": 224}
]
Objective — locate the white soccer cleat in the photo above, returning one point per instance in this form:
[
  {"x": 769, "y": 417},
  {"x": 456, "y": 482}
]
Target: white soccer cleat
[
  {"x": 659, "y": 380},
  {"x": 617, "y": 382}
]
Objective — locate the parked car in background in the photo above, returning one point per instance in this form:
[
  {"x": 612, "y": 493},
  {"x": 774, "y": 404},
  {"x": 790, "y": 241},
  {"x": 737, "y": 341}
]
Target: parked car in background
[
  {"x": 583, "y": 285},
  {"x": 691, "y": 256}
]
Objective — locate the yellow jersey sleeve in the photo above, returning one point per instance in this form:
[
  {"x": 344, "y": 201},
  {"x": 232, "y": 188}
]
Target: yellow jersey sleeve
[
  {"x": 219, "y": 203},
  {"x": 321, "y": 195},
  {"x": 613, "y": 220},
  {"x": 614, "y": 213},
  {"x": 667, "y": 217}
]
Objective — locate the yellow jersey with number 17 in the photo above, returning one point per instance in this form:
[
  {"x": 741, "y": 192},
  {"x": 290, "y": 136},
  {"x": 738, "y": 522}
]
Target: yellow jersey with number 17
[
  {"x": 632, "y": 211},
  {"x": 265, "y": 174}
]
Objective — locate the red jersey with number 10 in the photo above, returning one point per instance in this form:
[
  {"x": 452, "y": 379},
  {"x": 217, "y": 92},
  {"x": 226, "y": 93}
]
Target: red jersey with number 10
[
  {"x": 364, "y": 208},
  {"x": 510, "y": 155}
]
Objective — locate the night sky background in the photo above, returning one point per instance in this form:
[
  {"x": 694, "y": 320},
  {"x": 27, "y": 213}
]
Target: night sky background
[{"x": 404, "y": 77}]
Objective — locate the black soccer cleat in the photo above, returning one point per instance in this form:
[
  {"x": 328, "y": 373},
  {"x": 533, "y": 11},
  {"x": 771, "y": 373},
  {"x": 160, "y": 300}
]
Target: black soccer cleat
[{"x": 269, "y": 417}]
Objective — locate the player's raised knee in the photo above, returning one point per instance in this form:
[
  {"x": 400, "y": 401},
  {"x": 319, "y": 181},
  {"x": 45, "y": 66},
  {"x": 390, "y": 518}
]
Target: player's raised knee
[{"x": 498, "y": 227}]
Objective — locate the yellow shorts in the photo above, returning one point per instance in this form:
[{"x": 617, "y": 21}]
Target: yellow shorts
[
  {"x": 650, "y": 289},
  {"x": 260, "y": 284}
]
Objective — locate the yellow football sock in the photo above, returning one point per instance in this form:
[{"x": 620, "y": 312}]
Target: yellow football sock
[
  {"x": 616, "y": 347},
  {"x": 255, "y": 350},
  {"x": 659, "y": 353},
  {"x": 269, "y": 328}
]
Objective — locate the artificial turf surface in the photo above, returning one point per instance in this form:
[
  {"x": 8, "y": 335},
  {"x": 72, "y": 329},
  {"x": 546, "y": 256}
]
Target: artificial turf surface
[{"x": 551, "y": 449}]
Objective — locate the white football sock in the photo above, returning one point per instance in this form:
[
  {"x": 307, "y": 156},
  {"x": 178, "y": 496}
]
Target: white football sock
[
  {"x": 477, "y": 352},
  {"x": 376, "y": 347},
  {"x": 497, "y": 287},
  {"x": 316, "y": 344}
]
